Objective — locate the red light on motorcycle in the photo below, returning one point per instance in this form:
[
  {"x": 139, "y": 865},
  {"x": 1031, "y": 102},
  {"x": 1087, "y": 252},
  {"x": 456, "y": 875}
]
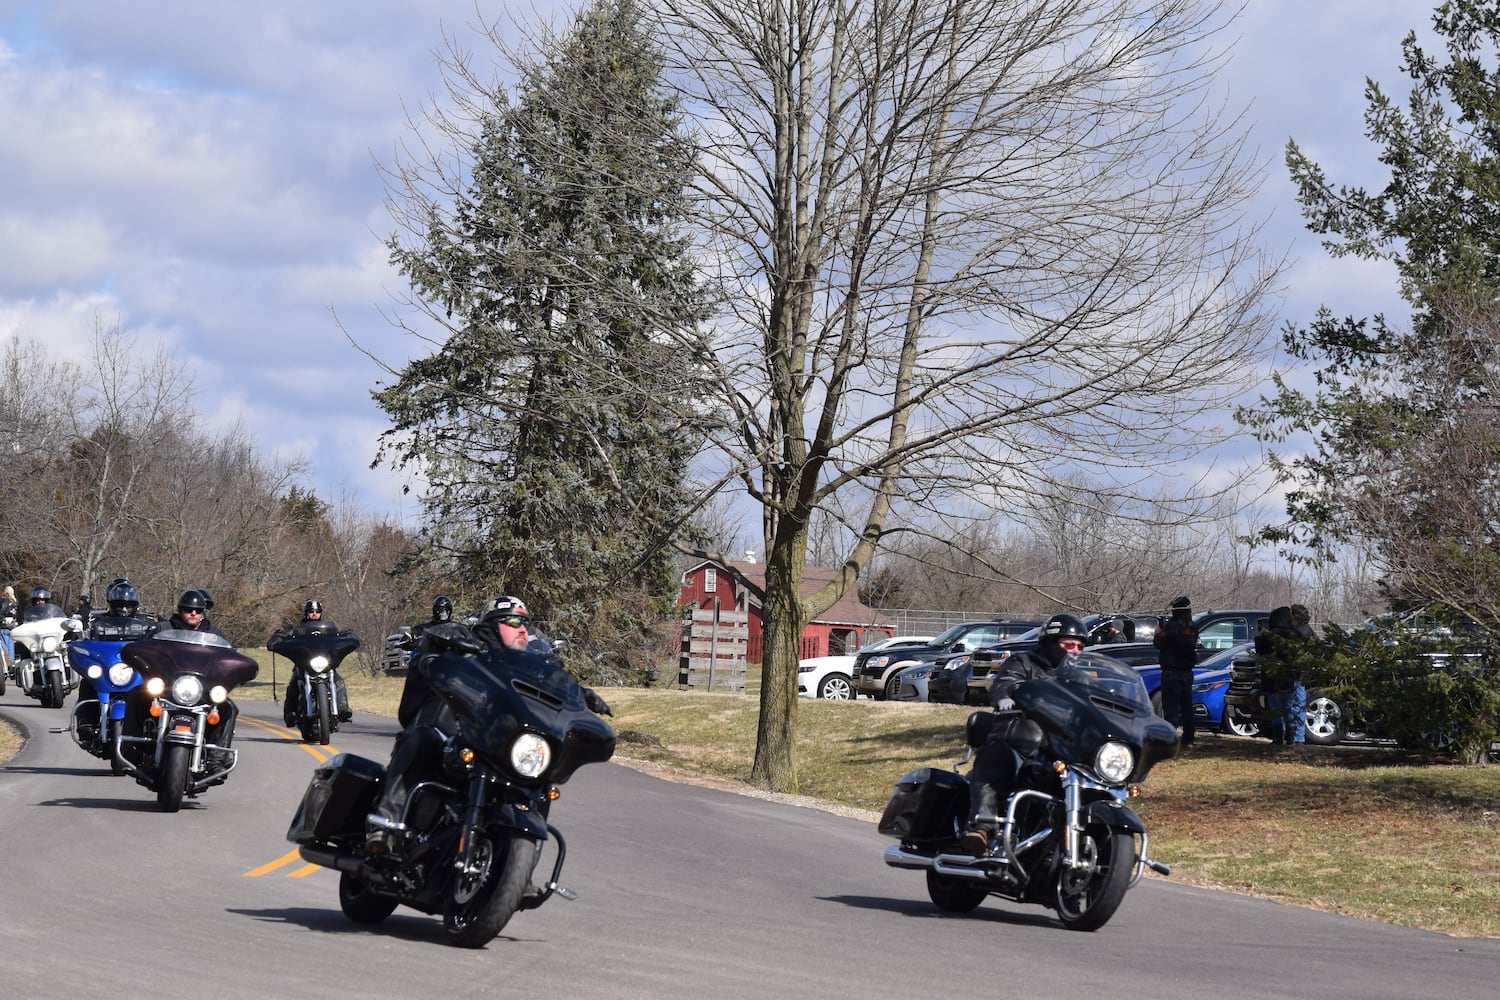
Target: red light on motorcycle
[
  {"x": 155, "y": 710},
  {"x": 213, "y": 718},
  {"x": 554, "y": 793},
  {"x": 182, "y": 728}
]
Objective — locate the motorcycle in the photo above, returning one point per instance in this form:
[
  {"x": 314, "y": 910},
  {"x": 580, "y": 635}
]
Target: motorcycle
[
  {"x": 41, "y": 667},
  {"x": 187, "y": 719},
  {"x": 97, "y": 723},
  {"x": 316, "y": 649},
  {"x": 471, "y": 840},
  {"x": 1085, "y": 737}
]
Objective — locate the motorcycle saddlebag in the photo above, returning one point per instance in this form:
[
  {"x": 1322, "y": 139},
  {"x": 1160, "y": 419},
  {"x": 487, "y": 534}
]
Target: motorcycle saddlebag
[
  {"x": 339, "y": 796},
  {"x": 924, "y": 805}
]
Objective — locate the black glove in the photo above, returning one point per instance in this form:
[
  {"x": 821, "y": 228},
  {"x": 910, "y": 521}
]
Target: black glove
[
  {"x": 596, "y": 704},
  {"x": 452, "y": 636}
]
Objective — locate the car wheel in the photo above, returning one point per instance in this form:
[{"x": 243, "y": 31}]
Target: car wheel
[
  {"x": 1325, "y": 720},
  {"x": 836, "y": 687},
  {"x": 1235, "y": 724},
  {"x": 892, "y": 686}
]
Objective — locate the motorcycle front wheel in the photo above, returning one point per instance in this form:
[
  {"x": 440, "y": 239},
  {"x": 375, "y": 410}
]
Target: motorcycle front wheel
[
  {"x": 481, "y": 902},
  {"x": 172, "y": 781},
  {"x": 322, "y": 719},
  {"x": 1086, "y": 897},
  {"x": 55, "y": 694},
  {"x": 116, "y": 728},
  {"x": 360, "y": 904}
]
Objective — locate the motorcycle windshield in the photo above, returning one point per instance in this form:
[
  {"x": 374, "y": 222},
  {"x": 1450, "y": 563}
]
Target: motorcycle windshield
[
  {"x": 309, "y": 639},
  {"x": 499, "y": 694},
  {"x": 172, "y": 652},
  {"x": 1092, "y": 699},
  {"x": 41, "y": 612}
]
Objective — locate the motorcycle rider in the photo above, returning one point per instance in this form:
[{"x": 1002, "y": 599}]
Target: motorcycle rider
[
  {"x": 427, "y": 721},
  {"x": 121, "y": 623},
  {"x": 192, "y": 613},
  {"x": 9, "y": 619},
  {"x": 442, "y": 614},
  {"x": 291, "y": 708},
  {"x": 996, "y": 763},
  {"x": 41, "y": 606}
]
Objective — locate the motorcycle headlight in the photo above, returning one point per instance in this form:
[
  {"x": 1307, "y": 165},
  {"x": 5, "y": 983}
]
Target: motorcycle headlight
[
  {"x": 94, "y": 671},
  {"x": 119, "y": 674},
  {"x": 530, "y": 754},
  {"x": 51, "y": 643},
  {"x": 187, "y": 689},
  {"x": 318, "y": 664},
  {"x": 1114, "y": 762}
]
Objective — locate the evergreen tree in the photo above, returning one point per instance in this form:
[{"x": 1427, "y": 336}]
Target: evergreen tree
[
  {"x": 1404, "y": 427},
  {"x": 554, "y": 424}
]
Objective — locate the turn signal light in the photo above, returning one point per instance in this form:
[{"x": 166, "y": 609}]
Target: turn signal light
[
  {"x": 1134, "y": 790},
  {"x": 213, "y": 718},
  {"x": 554, "y": 793},
  {"x": 155, "y": 710},
  {"x": 466, "y": 755}
]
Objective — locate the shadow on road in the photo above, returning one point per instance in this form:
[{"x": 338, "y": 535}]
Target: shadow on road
[
  {"x": 123, "y": 805},
  {"x": 405, "y": 925},
  {"x": 922, "y": 909}
]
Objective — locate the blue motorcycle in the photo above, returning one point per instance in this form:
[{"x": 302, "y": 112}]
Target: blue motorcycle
[{"x": 98, "y": 722}]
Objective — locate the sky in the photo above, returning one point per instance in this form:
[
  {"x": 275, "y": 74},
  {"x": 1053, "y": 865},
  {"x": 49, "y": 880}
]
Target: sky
[{"x": 204, "y": 174}]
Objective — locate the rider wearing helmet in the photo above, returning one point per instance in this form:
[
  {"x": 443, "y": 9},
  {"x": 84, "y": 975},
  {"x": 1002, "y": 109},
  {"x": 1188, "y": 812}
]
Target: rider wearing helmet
[
  {"x": 41, "y": 606},
  {"x": 123, "y": 622},
  {"x": 192, "y": 613},
  {"x": 312, "y": 611},
  {"x": 995, "y": 763},
  {"x": 291, "y": 707}
]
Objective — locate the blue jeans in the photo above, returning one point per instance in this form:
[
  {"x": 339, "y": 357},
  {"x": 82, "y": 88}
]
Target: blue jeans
[
  {"x": 9, "y": 644},
  {"x": 1177, "y": 701},
  {"x": 1288, "y": 722}
]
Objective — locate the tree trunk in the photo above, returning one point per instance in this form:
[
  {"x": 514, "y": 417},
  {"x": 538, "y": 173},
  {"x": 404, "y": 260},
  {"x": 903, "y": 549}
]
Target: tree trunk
[{"x": 783, "y": 618}]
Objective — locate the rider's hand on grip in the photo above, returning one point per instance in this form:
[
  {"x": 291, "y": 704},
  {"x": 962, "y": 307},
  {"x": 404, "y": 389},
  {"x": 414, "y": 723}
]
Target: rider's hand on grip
[
  {"x": 453, "y": 636},
  {"x": 596, "y": 704}
]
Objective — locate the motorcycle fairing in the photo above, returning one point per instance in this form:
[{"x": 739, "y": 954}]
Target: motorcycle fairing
[{"x": 172, "y": 652}]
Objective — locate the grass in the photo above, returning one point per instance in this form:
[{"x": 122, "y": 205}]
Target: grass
[{"x": 1367, "y": 832}]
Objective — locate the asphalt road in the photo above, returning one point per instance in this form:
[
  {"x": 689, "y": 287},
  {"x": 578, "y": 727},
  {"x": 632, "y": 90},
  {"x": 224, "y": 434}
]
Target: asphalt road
[{"x": 684, "y": 892}]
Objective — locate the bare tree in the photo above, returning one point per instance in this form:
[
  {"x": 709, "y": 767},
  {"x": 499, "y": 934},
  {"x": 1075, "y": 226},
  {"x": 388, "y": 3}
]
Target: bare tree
[{"x": 964, "y": 245}]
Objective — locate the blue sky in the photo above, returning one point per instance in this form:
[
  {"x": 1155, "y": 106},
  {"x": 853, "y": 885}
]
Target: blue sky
[{"x": 204, "y": 173}]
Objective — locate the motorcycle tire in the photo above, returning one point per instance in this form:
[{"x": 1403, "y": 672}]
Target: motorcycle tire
[
  {"x": 56, "y": 693},
  {"x": 1086, "y": 898},
  {"x": 4, "y": 672},
  {"x": 171, "y": 782},
  {"x": 322, "y": 722},
  {"x": 479, "y": 905},
  {"x": 954, "y": 895},
  {"x": 360, "y": 903},
  {"x": 116, "y": 727}
]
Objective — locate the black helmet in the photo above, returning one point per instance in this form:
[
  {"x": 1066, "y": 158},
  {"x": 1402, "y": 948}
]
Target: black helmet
[
  {"x": 41, "y": 595},
  {"x": 122, "y": 597},
  {"x": 194, "y": 600},
  {"x": 312, "y": 606},
  {"x": 442, "y": 609},
  {"x": 1062, "y": 627}
]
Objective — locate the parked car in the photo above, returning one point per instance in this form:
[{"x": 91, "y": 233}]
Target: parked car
[
  {"x": 1328, "y": 719},
  {"x": 831, "y": 677},
  {"x": 1210, "y": 683},
  {"x": 875, "y": 671}
]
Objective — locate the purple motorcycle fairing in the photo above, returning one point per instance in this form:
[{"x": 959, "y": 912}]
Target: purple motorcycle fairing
[{"x": 173, "y": 652}]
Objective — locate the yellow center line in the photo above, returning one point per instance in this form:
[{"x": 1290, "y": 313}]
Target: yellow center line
[{"x": 320, "y": 754}]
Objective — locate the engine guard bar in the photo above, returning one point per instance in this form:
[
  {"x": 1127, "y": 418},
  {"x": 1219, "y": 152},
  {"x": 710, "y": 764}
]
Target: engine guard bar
[{"x": 197, "y": 784}]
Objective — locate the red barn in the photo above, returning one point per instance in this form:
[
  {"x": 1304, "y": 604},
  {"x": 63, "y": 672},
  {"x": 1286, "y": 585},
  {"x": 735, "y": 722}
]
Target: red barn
[{"x": 740, "y": 585}]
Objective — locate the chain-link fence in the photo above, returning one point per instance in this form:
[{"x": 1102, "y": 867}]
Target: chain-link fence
[{"x": 916, "y": 621}]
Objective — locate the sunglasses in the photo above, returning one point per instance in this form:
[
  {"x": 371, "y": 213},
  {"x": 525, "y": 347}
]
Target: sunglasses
[
  {"x": 515, "y": 621},
  {"x": 190, "y": 611},
  {"x": 1072, "y": 645}
]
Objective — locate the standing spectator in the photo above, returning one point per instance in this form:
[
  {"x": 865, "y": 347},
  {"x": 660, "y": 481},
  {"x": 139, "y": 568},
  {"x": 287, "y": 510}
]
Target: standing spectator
[
  {"x": 1177, "y": 639},
  {"x": 1281, "y": 677},
  {"x": 9, "y": 612},
  {"x": 84, "y": 611}
]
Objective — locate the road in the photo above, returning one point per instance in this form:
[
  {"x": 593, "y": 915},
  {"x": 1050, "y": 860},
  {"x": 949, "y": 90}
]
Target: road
[{"x": 684, "y": 892}]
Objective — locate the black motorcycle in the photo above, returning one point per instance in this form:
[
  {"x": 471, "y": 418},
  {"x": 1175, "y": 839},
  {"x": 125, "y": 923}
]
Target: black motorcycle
[
  {"x": 473, "y": 838},
  {"x": 1084, "y": 737},
  {"x": 318, "y": 702},
  {"x": 179, "y": 725}
]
